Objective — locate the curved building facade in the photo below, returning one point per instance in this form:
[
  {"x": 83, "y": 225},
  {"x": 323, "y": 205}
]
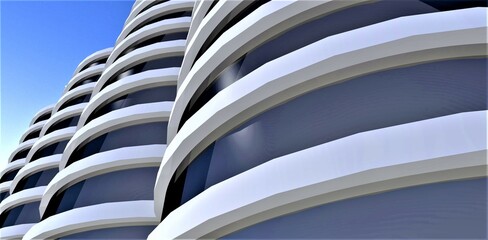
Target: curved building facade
[
  {"x": 265, "y": 120},
  {"x": 19, "y": 209},
  {"x": 105, "y": 187},
  {"x": 328, "y": 119},
  {"x": 42, "y": 147}
]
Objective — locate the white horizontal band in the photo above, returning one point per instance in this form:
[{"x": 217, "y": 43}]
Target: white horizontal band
[
  {"x": 22, "y": 197},
  {"x": 137, "y": 114},
  {"x": 34, "y": 167},
  {"x": 433, "y": 150},
  {"x": 424, "y": 38},
  {"x": 15, "y": 232},
  {"x": 131, "y": 83},
  {"x": 104, "y": 162},
  {"x": 105, "y": 215}
]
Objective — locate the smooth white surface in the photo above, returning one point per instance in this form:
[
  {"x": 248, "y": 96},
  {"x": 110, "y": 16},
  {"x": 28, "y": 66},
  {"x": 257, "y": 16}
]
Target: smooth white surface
[
  {"x": 428, "y": 147},
  {"x": 22, "y": 146},
  {"x": 15, "y": 232},
  {"x": 104, "y": 162},
  {"x": 140, "y": 55},
  {"x": 262, "y": 24},
  {"x": 53, "y": 137},
  {"x": 124, "y": 117},
  {"x": 74, "y": 93},
  {"x": 22, "y": 197},
  {"x": 156, "y": 11},
  {"x": 85, "y": 74},
  {"x": 422, "y": 38},
  {"x": 34, "y": 167},
  {"x": 157, "y": 77},
  {"x": 5, "y": 186},
  {"x": 118, "y": 214},
  {"x": 32, "y": 128},
  {"x": 13, "y": 165},
  {"x": 40, "y": 112},
  {"x": 62, "y": 115},
  {"x": 94, "y": 56},
  {"x": 162, "y": 27}
]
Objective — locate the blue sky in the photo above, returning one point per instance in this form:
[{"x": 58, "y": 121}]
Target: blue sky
[{"x": 41, "y": 43}]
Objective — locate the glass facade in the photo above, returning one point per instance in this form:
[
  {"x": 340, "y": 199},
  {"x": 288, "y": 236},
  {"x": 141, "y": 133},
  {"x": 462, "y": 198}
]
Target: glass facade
[
  {"x": 448, "y": 210},
  {"x": 142, "y": 134},
  {"x": 52, "y": 149},
  {"x": 22, "y": 214},
  {"x": 118, "y": 186},
  {"x": 38, "y": 179},
  {"x": 380, "y": 100},
  {"x": 149, "y": 95}
]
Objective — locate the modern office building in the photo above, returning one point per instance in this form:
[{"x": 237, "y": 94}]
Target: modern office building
[
  {"x": 41, "y": 148},
  {"x": 328, "y": 119},
  {"x": 105, "y": 187},
  {"x": 266, "y": 120}
]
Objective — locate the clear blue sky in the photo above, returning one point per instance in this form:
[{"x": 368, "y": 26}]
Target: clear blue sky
[{"x": 42, "y": 42}]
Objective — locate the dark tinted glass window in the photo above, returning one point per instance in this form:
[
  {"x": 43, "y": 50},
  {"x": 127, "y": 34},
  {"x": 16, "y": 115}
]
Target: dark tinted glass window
[
  {"x": 125, "y": 185},
  {"x": 28, "y": 213},
  {"x": 154, "y": 3},
  {"x": 156, "y": 39},
  {"x": 378, "y": 100},
  {"x": 158, "y": 18},
  {"x": 96, "y": 62},
  {"x": 69, "y": 122},
  {"x": 74, "y": 101},
  {"x": 32, "y": 135},
  {"x": 86, "y": 81},
  {"x": 20, "y": 155},
  {"x": 9, "y": 176},
  {"x": 55, "y": 148},
  {"x": 4, "y": 195},
  {"x": 137, "y": 135},
  {"x": 157, "y": 94},
  {"x": 43, "y": 117},
  {"x": 133, "y": 233},
  {"x": 447, "y": 5},
  {"x": 214, "y": 2},
  {"x": 38, "y": 179},
  {"x": 432, "y": 211},
  {"x": 300, "y": 36},
  {"x": 229, "y": 21},
  {"x": 159, "y": 63}
]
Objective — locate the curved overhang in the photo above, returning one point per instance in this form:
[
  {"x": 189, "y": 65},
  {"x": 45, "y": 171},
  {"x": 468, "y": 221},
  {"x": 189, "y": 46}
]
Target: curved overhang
[
  {"x": 101, "y": 163},
  {"x": 106, "y": 215},
  {"x": 149, "y": 31},
  {"x": 87, "y": 73},
  {"x": 63, "y": 114},
  {"x": 132, "y": 83},
  {"x": 158, "y": 10},
  {"x": 41, "y": 112},
  {"x": 133, "y": 115},
  {"x": 34, "y": 167},
  {"x": 331, "y": 172},
  {"x": 32, "y": 128},
  {"x": 22, "y": 146},
  {"x": 15, "y": 232},
  {"x": 263, "y": 24},
  {"x": 56, "y": 136},
  {"x": 79, "y": 91},
  {"x": 12, "y": 166},
  {"x": 93, "y": 57},
  {"x": 140, "y": 55},
  {"x": 22, "y": 197},
  {"x": 424, "y": 38}
]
